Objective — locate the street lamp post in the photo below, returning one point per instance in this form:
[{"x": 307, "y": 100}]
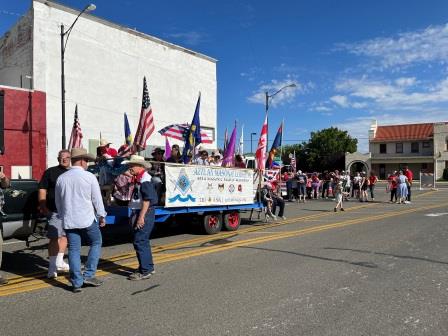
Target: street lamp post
[
  {"x": 270, "y": 96},
  {"x": 253, "y": 133},
  {"x": 65, "y": 34}
]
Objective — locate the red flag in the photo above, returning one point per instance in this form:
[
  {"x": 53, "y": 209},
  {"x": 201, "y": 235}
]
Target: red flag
[
  {"x": 146, "y": 122},
  {"x": 260, "y": 154},
  {"x": 76, "y": 135}
]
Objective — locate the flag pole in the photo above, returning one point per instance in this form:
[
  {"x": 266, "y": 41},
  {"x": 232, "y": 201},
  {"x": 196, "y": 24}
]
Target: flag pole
[{"x": 281, "y": 157}]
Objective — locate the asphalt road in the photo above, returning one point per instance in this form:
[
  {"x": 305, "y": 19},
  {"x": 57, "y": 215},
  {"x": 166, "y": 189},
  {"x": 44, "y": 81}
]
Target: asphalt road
[{"x": 375, "y": 269}]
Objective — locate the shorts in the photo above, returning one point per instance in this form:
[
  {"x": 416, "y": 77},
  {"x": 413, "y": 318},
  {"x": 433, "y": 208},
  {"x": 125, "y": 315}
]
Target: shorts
[{"x": 55, "y": 229}]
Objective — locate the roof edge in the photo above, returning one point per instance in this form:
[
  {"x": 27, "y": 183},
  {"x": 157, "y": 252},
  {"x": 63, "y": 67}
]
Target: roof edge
[{"x": 59, "y": 6}]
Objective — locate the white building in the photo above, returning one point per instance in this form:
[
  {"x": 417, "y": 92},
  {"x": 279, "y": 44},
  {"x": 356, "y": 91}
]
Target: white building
[{"x": 104, "y": 68}]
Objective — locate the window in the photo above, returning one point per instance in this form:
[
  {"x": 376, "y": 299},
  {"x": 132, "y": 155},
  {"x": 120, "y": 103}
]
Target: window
[
  {"x": 414, "y": 147},
  {"x": 424, "y": 166},
  {"x": 399, "y": 147},
  {"x": 383, "y": 149},
  {"x": 426, "y": 144}
]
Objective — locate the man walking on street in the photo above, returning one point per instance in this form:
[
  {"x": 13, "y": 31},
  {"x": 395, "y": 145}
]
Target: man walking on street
[
  {"x": 142, "y": 203},
  {"x": 80, "y": 206},
  {"x": 4, "y": 183},
  {"x": 47, "y": 207}
]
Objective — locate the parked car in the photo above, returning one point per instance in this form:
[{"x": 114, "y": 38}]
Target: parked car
[{"x": 18, "y": 209}]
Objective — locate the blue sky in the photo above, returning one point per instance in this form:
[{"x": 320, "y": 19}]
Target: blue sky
[{"x": 352, "y": 61}]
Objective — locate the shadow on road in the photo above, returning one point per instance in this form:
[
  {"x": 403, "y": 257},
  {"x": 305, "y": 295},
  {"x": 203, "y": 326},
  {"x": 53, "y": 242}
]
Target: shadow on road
[
  {"x": 360, "y": 263},
  {"x": 388, "y": 255}
]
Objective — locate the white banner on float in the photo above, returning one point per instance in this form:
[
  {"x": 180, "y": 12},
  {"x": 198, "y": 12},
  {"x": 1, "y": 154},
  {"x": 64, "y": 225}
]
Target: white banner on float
[{"x": 192, "y": 185}]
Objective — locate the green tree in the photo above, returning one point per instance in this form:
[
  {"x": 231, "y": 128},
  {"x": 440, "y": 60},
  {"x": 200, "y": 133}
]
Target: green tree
[
  {"x": 324, "y": 151},
  {"x": 326, "y": 148}
]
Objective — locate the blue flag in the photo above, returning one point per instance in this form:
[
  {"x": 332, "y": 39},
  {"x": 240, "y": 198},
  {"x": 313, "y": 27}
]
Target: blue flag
[
  {"x": 275, "y": 147},
  {"x": 193, "y": 136},
  {"x": 127, "y": 131}
]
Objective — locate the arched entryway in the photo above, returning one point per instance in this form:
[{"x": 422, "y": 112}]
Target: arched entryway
[{"x": 357, "y": 166}]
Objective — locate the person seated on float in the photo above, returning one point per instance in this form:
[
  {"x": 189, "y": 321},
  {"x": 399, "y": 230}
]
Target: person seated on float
[
  {"x": 239, "y": 161},
  {"x": 202, "y": 159},
  {"x": 217, "y": 160},
  {"x": 157, "y": 172},
  {"x": 176, "y": 155}
]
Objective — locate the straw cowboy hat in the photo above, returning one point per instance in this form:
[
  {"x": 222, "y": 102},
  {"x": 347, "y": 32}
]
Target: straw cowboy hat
[
  {"x": 137, "y": 160},
  {"x": 104, "y": 142},
  {"x": 81, "y": 153}
]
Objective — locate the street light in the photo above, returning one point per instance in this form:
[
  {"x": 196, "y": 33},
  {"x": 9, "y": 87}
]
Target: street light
[
  {"x": 64, "y": 38},
  {"x": 270, "y": 96},
  {"x": 251, "y": 141}
]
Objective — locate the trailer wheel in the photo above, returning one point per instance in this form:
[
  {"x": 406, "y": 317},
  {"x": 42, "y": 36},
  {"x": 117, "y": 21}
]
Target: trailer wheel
[
  {"x": 212, "y": 223},
  {"x": 232, "y": 221}
]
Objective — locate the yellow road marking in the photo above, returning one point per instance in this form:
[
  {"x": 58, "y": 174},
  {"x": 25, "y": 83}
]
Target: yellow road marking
[{"x": 19, "y": 287}]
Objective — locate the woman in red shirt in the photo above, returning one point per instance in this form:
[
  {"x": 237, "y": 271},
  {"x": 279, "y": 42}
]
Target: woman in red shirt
[{"x": 392, "y": 180}]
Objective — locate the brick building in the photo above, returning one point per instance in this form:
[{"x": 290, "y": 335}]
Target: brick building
[{"x": 22, "y": 132}]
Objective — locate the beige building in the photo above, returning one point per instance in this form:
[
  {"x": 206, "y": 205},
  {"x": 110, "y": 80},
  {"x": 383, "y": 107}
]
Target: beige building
[{"x": 421, "y": 147}]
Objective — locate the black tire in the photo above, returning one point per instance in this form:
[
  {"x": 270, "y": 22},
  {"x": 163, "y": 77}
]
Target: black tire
[
  {"x": 231, "y": 220},
  {"x": 212, "y": 223}
]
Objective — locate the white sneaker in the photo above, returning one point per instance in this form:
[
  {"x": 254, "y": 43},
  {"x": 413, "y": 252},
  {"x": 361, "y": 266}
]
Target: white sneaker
[
  {"x": 274, "y": 217},
  {"x": 63, "y": 267},
  {"x": 283, "y": 217},
  {"x": 52, "y": 275}
]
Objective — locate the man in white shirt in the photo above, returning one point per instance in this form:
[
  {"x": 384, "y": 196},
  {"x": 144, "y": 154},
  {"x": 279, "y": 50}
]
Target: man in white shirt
[{"x": 80, "y": 207}]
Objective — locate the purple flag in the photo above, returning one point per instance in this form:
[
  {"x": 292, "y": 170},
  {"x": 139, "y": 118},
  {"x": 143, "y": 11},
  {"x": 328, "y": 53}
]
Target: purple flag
[
  {"x": 229, "y": 155},
  {"x": 167, "y": 148}
]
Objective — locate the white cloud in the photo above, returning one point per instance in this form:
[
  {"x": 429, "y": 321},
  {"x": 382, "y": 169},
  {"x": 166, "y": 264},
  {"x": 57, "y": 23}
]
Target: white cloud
[
  {"x": 287, "y": 95},
  {"x": 427, "y": 45},
  {"x": 340, "y": 100},
  {"x": 321, "y": 108},
  {"x": 343, "y": 101},
  {"x": 399, "y": 94},
  {"x": 192, "y": 38},
  {"x": 405, "y": 81}
]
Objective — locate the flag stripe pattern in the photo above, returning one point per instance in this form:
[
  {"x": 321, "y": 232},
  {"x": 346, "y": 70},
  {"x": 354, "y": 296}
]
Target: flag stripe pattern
[
  {"x": 179, "y": 131},
  {"x": 76, "y": 135},
  {"x": 146, "y": 123},
  {"x": 293, "y": 162}
]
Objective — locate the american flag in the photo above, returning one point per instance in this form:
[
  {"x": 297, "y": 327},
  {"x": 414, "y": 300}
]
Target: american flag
[
  {"x": 76, "y": 135},
  {"x": 260, "y": 154},
  {"x": 146, "y": 122},
  {"x": 293, "y": 163},
  {"x": 179, "y": 131}
]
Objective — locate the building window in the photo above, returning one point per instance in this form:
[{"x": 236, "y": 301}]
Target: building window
[
  {"x": 424, "y": 166},
  {"x": 426, "y": 144},
  {"x": 399, "y": 147},
  {"x": 383, "y": 149},
  {"x": 414, "y": 147}
]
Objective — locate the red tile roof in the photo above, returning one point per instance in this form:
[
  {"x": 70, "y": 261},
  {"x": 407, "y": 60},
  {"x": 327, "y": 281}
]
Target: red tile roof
[{"x": 404, "y": 132}]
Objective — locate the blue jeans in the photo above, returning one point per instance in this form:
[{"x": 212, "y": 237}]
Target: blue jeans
[
  {"x": 93, "y": 236},
  {"x": 142, "y": 244}
]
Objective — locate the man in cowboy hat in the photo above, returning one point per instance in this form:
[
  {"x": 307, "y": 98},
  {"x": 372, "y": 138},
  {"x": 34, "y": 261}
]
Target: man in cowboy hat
[
  {"x": 80, "y": 206},
  {"x": 105, "y": 150},
  {"x": 143, "y": 201}
]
